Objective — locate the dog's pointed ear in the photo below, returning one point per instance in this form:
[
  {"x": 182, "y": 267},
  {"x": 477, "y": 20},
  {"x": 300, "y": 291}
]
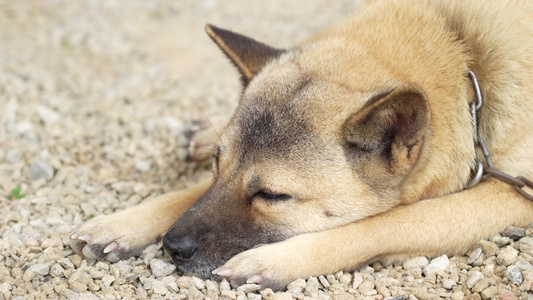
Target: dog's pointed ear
[
  {"x": 247, "y": 54},
  {"x": 390, "y": 127}
]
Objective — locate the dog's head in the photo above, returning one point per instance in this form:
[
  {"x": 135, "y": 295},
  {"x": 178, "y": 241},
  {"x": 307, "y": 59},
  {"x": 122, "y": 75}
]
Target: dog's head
[{"x": 311, "y": 146}]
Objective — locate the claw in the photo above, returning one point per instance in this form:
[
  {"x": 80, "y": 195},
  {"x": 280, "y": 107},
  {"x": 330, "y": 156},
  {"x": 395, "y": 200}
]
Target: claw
[
  {"x": 257, "y": 279},
  {"x": 75, "y": 235},
  {"x": 85, "y": 237},
  {"x": 111, "y": 247},
  {"x": 87, "y": 252},
  {"x": 223, "y": 272}
]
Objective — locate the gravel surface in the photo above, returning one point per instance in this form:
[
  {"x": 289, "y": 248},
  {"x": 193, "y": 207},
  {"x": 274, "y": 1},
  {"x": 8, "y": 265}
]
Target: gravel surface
[{"x": 94, "y": 97}]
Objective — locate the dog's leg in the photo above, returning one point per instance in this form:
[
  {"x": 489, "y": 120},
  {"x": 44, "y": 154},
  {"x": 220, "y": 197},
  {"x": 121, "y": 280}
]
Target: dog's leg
[
  {"x": 445, "y": 225},
  {"x": 200, "y": 140},
  {"x": 126, "y": 233}
]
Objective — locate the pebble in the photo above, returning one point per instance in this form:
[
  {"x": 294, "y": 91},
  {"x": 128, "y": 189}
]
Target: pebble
[
  {"x": 526, "y": 245},
  {"x": 91, "y": 121},
  {"x": 40, "y": 169},
  {"x": 107, "y": 280},
  {"x": 56, "y": 270},
  {"x": 161, "y": 268},
  {"x": 507, "y": 256},
  {"x": 514, "y": 232},
  {"x": 324, "y": 281},
  {"x": 357, "y": 280},
  {"x": 420, "y": 293},
  {"x": 299, "y": 283},
  {"x": 143, "y": 165},
  {"x": 248, "y": 288},
  {"x": 366, "y": 287},
  {"x": 514, "y": 275},
  {"x": 448, "y": 284},
  {"x": 474, "y": 255},
  {"x": 489, "y": 292},
  {"x": 47, "y": 115},
  {"x": 35, "y": 270},
  {"x": 439, "y": 263},
  {"x": 312, "y": 286},
  {"x": 480, "y": 285},
  {"x": 474, "y": 278},
  {"x": 416, "y": 262},
  {"x": 489, "y": 248}
]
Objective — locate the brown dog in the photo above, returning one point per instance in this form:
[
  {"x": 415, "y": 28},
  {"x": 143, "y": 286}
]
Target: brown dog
[{"x": 352, "y": 147}]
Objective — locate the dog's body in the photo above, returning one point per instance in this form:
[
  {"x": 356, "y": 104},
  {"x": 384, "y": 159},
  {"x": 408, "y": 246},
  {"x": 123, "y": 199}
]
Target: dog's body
[{"x": 336, "y": 142}]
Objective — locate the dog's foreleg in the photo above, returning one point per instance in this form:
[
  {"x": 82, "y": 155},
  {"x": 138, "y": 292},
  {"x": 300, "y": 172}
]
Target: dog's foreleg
[
  {"x": 126, "y": 233},
  {"x": 447, "y": 225}
]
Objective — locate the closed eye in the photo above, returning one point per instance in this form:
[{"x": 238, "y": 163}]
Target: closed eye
[{"x": 271, "y": 197}]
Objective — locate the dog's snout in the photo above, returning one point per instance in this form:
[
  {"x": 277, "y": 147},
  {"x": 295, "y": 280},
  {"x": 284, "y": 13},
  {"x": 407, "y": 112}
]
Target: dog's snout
[{"x": 180, "y": 248}]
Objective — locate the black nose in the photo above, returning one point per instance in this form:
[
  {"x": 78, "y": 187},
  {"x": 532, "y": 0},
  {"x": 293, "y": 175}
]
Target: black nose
[{"x": 180, "y": 248}]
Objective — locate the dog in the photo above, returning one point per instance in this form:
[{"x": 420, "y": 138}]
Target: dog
[{"x": 355, "y": 146}]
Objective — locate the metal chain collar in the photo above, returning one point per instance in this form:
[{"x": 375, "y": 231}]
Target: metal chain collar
[{"x": 482, "y": 172}]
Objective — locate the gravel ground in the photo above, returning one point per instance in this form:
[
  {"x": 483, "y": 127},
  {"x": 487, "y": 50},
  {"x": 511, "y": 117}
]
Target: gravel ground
[{"x": 94, "y": 97}]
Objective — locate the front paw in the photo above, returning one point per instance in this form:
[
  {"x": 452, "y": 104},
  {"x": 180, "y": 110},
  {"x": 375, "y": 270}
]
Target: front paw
[
  {"x": 111, "y": 237},
  {"x": 267, "y": 266}
]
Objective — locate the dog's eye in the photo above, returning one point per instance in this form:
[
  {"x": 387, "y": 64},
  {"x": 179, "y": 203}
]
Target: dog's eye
[{"x": 268, "y": 196}]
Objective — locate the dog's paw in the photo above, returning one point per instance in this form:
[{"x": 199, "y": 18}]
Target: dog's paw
[
  {"x": 111, "y": 237},
  {"x": 200, "y": 139},
  {"x": 268, "y": 266}
]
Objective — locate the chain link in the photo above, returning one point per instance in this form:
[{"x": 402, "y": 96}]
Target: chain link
[{"x": 482, "y": 172}]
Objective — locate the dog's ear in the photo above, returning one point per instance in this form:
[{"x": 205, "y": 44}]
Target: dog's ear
[
  {"x": 247, "y": 54},
  {"x": 390, "y": 127}
]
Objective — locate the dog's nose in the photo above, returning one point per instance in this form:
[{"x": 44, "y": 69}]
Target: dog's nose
[{"x": 180, "y": 248}]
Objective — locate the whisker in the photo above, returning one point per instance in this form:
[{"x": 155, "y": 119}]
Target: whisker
[{"x": 209, "y": 121}]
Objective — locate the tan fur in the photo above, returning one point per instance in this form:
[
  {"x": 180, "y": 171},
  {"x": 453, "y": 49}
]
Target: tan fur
[{"x": 396, "y": 71}]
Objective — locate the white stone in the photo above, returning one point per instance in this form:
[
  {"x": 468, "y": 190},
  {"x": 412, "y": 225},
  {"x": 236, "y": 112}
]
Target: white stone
[
  {"x": 420, "y": 262},
  {"x": 439, "y": 263},
  {"x": 476, "y": 276},
  {"x": 161, "y": 268},
  {"x": 47, "y": 115}
]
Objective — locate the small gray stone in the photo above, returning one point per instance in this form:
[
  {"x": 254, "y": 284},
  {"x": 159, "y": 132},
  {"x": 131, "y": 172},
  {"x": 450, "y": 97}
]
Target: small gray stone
[
  {"x": 39, "y": 269},
  {"x": 40, "y": 169},
  {"x": 514, "y": 275},
  {"x": 35, "y": 270},
  {"x": 439, "y": 263},
  {"x": 161, "y": 268},
  {"x": 501, "y": 240},
  {"x": 514, "y": 232},
  {"x": 401, "y": 297},
  {"x": 524, "y": 265},
  {"x": 474, "y": 255},
  {"x": 56, "y": 270}
]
